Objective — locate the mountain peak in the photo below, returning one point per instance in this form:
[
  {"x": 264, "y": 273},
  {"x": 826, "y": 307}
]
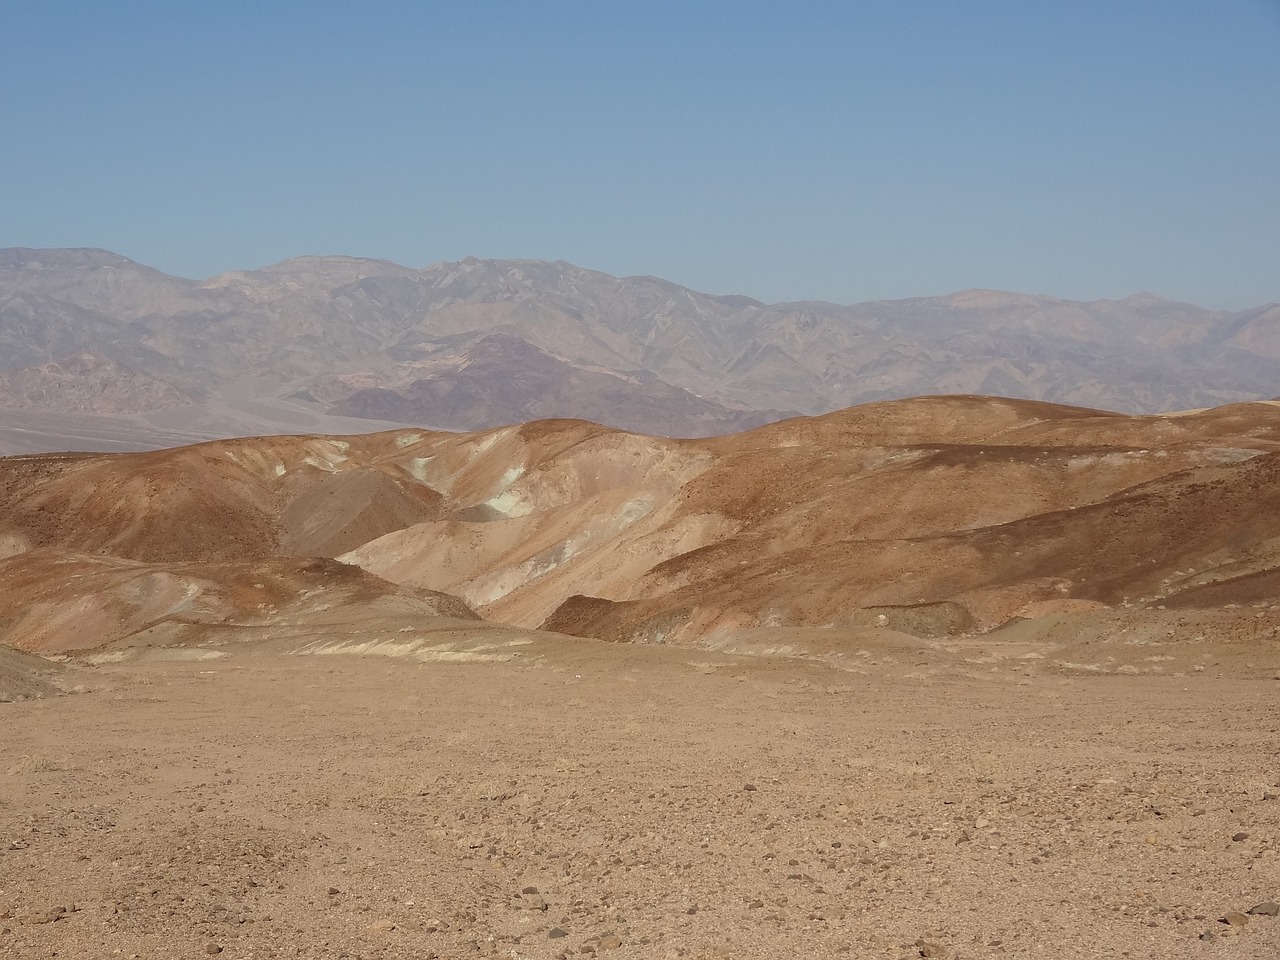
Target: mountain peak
[
  {"x": 983, "y": 299},
  {"x": 80, "y": 258}
]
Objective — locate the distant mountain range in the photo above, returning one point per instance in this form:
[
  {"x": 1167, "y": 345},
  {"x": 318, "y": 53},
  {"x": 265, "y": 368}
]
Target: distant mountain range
[{"x": 483, "y": 342}]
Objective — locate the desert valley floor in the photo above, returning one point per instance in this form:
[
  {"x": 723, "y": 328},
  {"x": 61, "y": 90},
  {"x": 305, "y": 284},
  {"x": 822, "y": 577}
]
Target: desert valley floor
[{"x": 642, "y": 801}]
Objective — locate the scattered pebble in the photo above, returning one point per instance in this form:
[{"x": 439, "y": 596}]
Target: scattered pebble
[{"x": 602, "y": 942}]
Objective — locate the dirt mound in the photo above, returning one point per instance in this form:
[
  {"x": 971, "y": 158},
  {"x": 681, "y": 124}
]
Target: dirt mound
[
  {"x": 331, "y": 513},
  {"x": 223, "y": 500},
  {"x": 57, "y": 602},
  {"x": 25, "y": 676}
]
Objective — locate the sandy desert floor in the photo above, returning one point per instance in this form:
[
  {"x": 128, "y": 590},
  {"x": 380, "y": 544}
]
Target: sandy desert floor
[{"x": 637, "y": 801}]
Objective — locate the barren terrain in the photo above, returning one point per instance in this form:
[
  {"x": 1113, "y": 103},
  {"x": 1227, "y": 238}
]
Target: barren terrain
[
  {"x": 641, "y": 802},
  {"x": 931, "y": 518},
  {"x": 947, "y": 677}
]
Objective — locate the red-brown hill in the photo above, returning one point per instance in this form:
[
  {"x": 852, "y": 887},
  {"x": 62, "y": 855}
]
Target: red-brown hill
[{"x": 936, "y": 516}]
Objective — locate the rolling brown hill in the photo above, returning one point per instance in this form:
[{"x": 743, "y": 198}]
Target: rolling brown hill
[
  {"x": 935, "y": 518},
  {"x": 483, "y": 343}
]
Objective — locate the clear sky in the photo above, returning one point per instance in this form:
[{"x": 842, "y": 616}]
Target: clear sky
[{"x": 846, "y": 151}]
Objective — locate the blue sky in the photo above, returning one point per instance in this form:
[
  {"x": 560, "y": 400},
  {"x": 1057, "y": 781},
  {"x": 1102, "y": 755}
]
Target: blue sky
[{"x": 844, "y": 151}]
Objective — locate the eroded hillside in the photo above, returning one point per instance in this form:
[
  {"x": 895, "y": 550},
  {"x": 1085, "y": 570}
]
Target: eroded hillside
[{"x": 935, "y": 518}]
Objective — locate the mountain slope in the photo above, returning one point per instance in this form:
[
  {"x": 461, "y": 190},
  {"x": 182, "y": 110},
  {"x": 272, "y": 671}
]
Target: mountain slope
[
  {"x": 503, "y": 379},
  {"x": 478, "y": 343}
]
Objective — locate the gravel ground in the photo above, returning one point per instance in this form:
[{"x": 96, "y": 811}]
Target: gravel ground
[{"x": 641, "y": 802}]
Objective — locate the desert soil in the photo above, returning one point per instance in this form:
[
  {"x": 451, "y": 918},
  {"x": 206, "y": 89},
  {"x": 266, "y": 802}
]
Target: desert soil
[{"x": 637, "y": 801}]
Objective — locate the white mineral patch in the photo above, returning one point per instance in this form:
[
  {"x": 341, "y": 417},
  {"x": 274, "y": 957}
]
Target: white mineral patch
[
  {"x": 329, "y": 456},
  {"x": 485, "y": 445},
  {"x": 511, "y": 475},
  {"x": 112, "y": 656},
  {"x": 495, "y": 586},
  {"x": 326, "y": 465},
  {"x": 1232, "y": 454},
  {"x": 509, "y": 502},
  {"x": 418, "y": 467},
  {"x": 417, "y": 649},
  {"x": 185, "y": 655}
]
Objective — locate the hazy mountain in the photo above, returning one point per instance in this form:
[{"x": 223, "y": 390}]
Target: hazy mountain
[
  {"x": 505, "y": 379},
  {"x": 477, "y": 343},
  {"x": 85, "y": 383}
]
